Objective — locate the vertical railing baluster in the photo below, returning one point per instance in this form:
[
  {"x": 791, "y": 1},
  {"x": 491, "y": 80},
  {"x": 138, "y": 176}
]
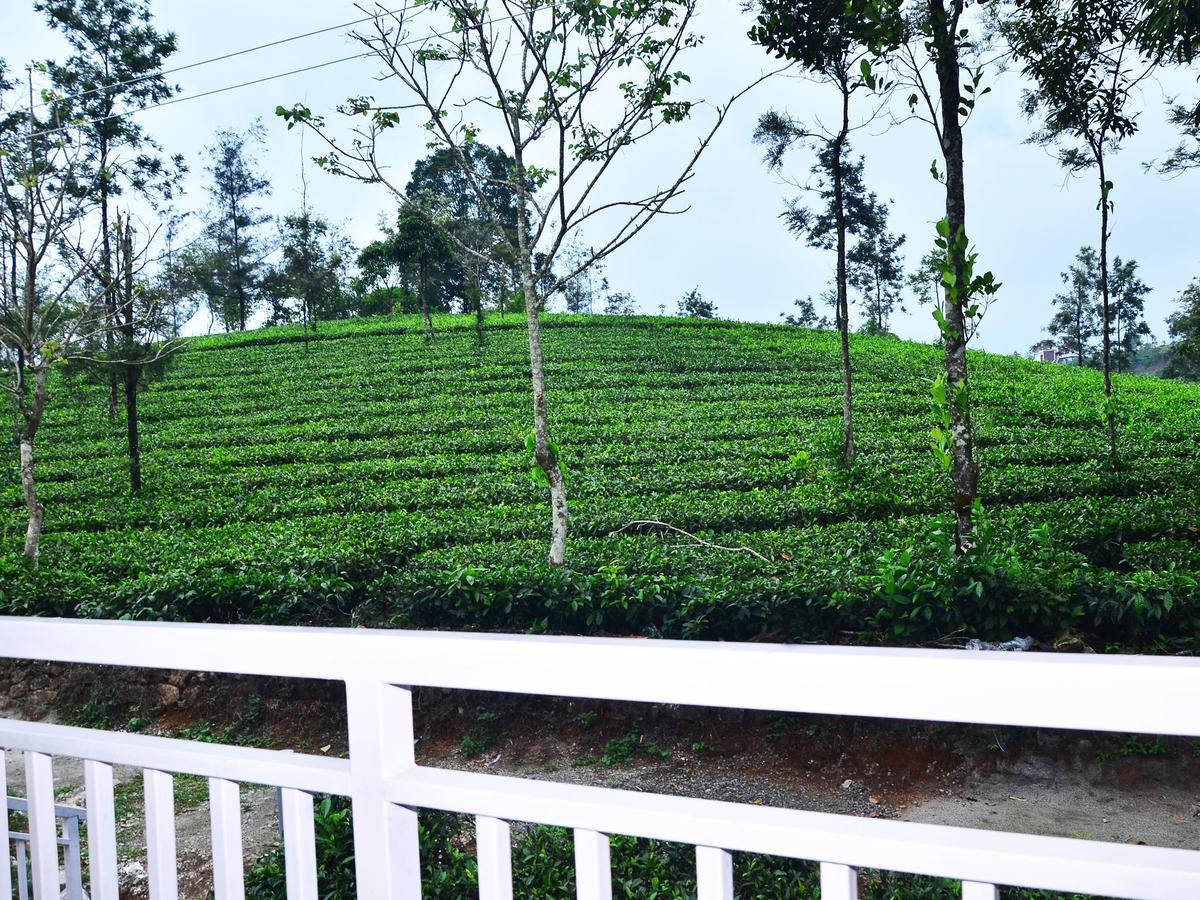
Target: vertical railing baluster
[
  {"x": 978, "y": 890},
  {"x": 22, "y": 872},
  {"x": 593, "y": 865},
  {"x": 714, "y": 874},
  {"x": 160, "y": 835},
  {"x": 72, "y": 861},
  {"x": 493, "y": 846},
  {"x": 838, "y": 882},
  {"x": 43, "y": 826},
  {"x": 6, "y": 877},
  {"x": 101, "y": 830},
  {"x": 387, "y": 862},
  {"x": 225, "y": 818},
  {"x": 299, "y": 845}
]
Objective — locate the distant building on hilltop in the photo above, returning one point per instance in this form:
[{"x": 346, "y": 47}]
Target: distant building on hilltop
[{"x": 1047, "y": 351}]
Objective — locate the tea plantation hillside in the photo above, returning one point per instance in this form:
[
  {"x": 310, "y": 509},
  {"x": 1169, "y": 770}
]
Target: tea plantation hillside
[{"x": 369, "y": 476}]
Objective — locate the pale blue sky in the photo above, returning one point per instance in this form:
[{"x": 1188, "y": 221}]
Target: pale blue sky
[{"x": 1026, "y": 220}]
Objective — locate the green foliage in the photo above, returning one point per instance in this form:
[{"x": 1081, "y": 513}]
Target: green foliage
[
  {"x": 378, "y": 479},
  {"x": 481, "y": 737}
]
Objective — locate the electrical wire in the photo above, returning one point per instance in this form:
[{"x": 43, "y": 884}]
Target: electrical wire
[
  {"x": 221, "y": 58},
  {"x": 265, "y": 78}
]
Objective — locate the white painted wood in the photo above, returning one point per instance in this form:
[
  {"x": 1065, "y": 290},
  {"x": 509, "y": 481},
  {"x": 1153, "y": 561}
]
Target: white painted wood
[
  {"x": 838, "y": 882},
  {"x": 22, "y": 872},
  {"x": 1050, "y": 863},
  {"x": 593, "y": 865},
  {"x": 387, "y": 863},
  {"x": 318, "y": 774},
  {"x": 6, "y": 876},
  {"x": 977, "y": 890},
  {"x": 299, "y": 845},
  {"x": 1138, "y": 694},
  {"x": 1103, "y": 692},
  {"x": 493, "y": 845},
  {"x": 43, "y": 826},
  {"x": 225, "y": 815},
  {"x": 72, "y": 859},
  {"x": 101, "y": 830},
  {"x": 714, "y": 874},
  {"x": 160, "y": 835}
]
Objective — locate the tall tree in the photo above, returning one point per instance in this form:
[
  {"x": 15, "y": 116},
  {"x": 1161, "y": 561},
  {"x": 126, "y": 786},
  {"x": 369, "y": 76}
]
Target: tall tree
[
  {"x": 308, "y": 282},
  {"x": 830, "y": 46},
  {"x": 1183, "y": 327},
  {"x": 1127, "y": 293},
  {"x": 1076, "y": 322},
  {"x": 115, "y": 67},
  {"x": 237, "y": 250},
  {"x": 51, "y": 303},
  {"x": 448, "y": 195},
  {"x": 693, "y": 305},
  {"x": 876, "y": 269},
  {"x": 914, "y": 36},
  {"x": 1083, "y": 59},
  {"x": 843, "y": 210},
  {"x": 425, "y": 253},
  {"x": 535, "y": 69}
]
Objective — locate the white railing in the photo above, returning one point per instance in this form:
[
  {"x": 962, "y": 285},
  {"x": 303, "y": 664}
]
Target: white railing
[
  {"x": 1149, "y": 695},
  {"x": 72, "y": 868}
]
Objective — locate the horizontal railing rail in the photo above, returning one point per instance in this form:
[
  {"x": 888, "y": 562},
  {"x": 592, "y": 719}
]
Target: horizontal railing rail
[{"x": 1147, "y": 695}]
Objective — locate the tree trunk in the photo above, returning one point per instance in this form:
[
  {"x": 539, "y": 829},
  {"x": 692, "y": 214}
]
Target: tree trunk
[
  {"x": 964, "y": 471},
  {"x": 32, "y": 413},
  {"x": 110, "y": 295},
  {"x": 423, "y": 289},
  {"x": 478, "y": 315},
  {"x": 843, "y": 300},
  {"x": 133, "y": 375},
  {"x": 542, "y": 452},
  {"x": 132, "y": 371},
  {"x": 1110, "y": 414}
]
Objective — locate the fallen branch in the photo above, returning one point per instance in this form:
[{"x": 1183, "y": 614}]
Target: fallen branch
[{"x": 646, "y": 523}]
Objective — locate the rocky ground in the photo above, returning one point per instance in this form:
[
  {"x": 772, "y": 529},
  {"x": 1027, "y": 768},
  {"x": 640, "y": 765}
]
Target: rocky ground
[{"x": 1119, "y": 788}]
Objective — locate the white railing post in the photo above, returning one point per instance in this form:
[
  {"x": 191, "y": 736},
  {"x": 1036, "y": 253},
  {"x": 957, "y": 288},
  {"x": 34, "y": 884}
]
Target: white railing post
[
  {"x": 299, "y": 845},
  {"x": 225, "y": 815},
  {"x": 714, "y": 874},
  {"x": 977, "y": 890},
  {"x": 387, "y": 864},
  {"x": 838, "y": 882},
  {"x": 43, "y": 826},
  {"x": 161, "y": 864},
  {"x": 101, "y": 830},
  {"x": 6, "y": 877},
  {"x": 593, "y": 865},
  {"x": 493, "y": 848}
]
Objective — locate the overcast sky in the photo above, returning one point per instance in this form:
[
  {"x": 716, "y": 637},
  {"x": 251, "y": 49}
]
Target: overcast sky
[{"x": 1026, "y": 219}]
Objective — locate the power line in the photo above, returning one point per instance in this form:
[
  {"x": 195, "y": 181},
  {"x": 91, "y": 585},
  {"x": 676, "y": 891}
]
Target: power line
[
  {"x": 222, "y": 57},
  {"x": 220, "y": 90},
  {"x": 265, "y": 78}
]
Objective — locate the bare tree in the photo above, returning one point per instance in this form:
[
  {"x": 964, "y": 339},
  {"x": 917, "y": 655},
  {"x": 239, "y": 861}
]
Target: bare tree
[
  {"x": 568, "y": 87},
  {"x": 54, "y": 306}
]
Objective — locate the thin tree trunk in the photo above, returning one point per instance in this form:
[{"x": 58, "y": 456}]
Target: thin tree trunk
[
  {"x": 1110, "y": 415},
  {"x": 32, "y": 409},
  {"x": 843, "y": 300},
  {"x": 110, "y": 295},
  {"x": 964, "y": 471},
  {"x": 478, "y": 315},
  {"x": 423, "y": 288},
  {"x": 133, "y": 376},
  {"x": 542, "y": 452},
  {"x": 132, "y": 371}
]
